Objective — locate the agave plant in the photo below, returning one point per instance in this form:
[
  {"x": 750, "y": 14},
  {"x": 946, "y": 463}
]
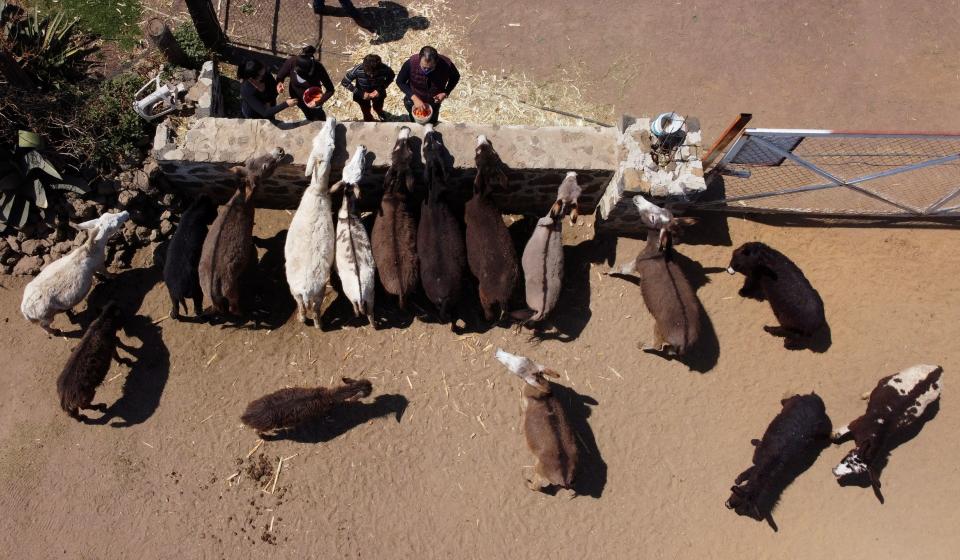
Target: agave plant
[
  {"x": 50, "y": 48},
  {"x": 28, "y": 182}
]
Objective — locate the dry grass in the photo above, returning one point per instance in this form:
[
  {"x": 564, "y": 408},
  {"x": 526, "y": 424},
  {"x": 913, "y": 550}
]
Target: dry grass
[{"x": 481, "y": 97}]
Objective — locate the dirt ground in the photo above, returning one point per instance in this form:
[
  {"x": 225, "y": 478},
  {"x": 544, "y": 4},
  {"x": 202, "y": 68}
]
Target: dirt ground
[{"x": 432, "y": 465}]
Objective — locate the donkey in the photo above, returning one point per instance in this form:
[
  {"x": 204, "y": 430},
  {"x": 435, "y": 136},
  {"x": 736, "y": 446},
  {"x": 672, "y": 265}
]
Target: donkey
[
  {"x": 439, "y": 238},
  {"x": 394, "y": 235},
  {"x": 354, "y": 259},
  {"x": 490, "y": 252},
  {"x": 546, "y": 427},
  {"x": 228, "y": 248}
]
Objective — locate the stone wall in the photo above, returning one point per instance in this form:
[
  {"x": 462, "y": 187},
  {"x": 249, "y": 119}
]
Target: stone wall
[
  {"x": 205, "y": 94},
  {"x": 638, "y": 173},
  {"x": 537, "y": 158}
]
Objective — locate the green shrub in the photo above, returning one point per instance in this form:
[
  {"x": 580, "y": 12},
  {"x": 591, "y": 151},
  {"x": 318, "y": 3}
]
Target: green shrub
[
  {"x": 30, "y": 184},
  {"x": 188, "y": 39},
  {"x": 115, "y": 133},
  {"x": 50, "y": 48},
  {"x": 114, "y": 21}
]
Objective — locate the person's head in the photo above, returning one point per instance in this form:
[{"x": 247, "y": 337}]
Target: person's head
[
  {"x": 251, "y": 69},
  {"x": 428, "y": 59},
  {"x": 305, "y": 66},
  {"x": 306, "y": 60},
  {"x": 370, "y": 63}
]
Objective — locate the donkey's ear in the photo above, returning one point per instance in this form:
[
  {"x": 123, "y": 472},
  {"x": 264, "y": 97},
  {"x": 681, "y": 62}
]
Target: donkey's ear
[
  {"x": 336, "y": 187},
  {"x": 347, "y": 380},
  {"x": 238, "y": 170},
  {"x": 549, "y": 372},
  {"x": 685, "y": 221}
]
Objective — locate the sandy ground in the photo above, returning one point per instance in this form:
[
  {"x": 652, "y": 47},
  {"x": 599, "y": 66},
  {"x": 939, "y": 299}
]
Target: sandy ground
[{"x": 666, "y": 441}]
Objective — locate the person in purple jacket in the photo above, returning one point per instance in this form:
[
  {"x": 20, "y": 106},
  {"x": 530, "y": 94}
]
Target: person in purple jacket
[{"x": 427, "y": 78}]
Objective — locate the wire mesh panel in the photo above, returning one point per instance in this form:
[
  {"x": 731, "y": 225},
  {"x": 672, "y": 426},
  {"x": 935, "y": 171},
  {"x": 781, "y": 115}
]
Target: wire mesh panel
[
  {"x": 276, "y": 26},
  {"x": 843, "y": 173}
]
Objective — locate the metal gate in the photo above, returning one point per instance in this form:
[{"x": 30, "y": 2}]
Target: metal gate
[
  {"x": 268, "y": 27},
  {"x": 823, "y": 172}
]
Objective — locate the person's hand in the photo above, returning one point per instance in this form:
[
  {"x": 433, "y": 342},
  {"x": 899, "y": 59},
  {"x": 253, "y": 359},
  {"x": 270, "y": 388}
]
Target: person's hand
[
  {"x": 418, "y": 103},
  {"x": 374, "y": 94},
  {"x": 440, "y": 97},
  {"x": 366, "y": 95},
  {"x": 291, "y": 102},
  {"x": 312, "y": 104},
  {"x": 280, "y": 87}
]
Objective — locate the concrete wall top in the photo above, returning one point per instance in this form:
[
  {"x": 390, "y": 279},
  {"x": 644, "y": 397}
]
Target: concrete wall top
[{"x": 520, "y": 147}]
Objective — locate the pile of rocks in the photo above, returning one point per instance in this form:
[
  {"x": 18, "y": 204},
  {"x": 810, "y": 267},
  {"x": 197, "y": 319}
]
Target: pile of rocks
[{"x": 143, "y": 193}]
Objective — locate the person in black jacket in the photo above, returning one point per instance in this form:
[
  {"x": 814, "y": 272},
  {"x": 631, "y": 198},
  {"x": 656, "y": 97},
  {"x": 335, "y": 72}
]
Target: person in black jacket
[
  {"x": 372, "y": 79},
  {"x": 258, "y": 92},
  {"x": 305, "y": 72}
]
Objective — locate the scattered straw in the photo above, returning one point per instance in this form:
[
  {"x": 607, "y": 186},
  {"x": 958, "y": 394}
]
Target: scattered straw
[
  {"x": 255, "y": 447},
  {"x": 481, "y": 96},
  {"x": 276, "y": 477}
]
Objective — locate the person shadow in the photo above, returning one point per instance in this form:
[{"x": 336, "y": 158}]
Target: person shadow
[
  {"x": 345, "y": 417},
  {"x": 391, "y": 21},
  {"x": 591, "y": 474},
  {"x": 899, "y": 438}
]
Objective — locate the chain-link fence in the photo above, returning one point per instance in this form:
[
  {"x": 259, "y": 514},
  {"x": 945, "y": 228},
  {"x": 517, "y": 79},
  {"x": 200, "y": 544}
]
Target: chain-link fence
[
  {"x": 839, "y": 173},
  {"x": 278, "y": 27}
]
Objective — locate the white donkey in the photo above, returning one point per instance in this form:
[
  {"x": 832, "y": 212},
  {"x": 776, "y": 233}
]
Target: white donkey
[
  {"x": 310, "y": 239},
  {"x": 66, "y": 281},
  {"x": 354, "y": 255}
]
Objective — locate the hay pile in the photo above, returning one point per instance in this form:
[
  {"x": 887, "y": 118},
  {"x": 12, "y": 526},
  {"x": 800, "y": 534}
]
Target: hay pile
[{"x": 477, "y": 98}]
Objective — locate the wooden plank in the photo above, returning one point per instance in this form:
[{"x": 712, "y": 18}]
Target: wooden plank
[{"x": 728, "y": 136}]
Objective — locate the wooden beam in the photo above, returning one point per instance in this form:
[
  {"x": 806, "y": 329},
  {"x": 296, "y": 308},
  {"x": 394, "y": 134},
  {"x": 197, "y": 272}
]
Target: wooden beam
[{"x": 728, "y": 136}]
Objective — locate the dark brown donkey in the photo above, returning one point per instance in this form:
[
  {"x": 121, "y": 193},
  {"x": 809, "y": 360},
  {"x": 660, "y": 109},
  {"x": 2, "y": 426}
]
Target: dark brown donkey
[
  {"x": 490, "y": 252},
  {"x": 394, "y": 235},
  {"x": 228, "y": 248}
]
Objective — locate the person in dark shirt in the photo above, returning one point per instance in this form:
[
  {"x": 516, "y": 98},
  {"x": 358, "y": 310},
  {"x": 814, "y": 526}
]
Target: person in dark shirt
[
  {"x": 258, "y": 92},
  {"x": 427, "y": 78},
  {"x": 372, "y": 78},
  {"x": 305, "y": 72}
]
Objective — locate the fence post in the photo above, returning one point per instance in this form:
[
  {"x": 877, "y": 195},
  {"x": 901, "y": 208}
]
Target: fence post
[{"x": 207, "y": 24}]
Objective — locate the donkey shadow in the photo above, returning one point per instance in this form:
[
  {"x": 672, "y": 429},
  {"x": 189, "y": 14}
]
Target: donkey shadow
[
  {"x": 345, "y": 417},
  {"x": 591, "y": 474},
  {"x": 896, "y": 440},
  {"x": 265, "y": 295},
  {"x": 150, "y": 367}
]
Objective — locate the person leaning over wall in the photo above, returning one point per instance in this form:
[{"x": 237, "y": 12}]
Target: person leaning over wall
[
  {"x": 258, "y": 92},
  {"x": 427, "y": 78},
  {"x": 372, "y": 78},
  {"x": 305, "y": 72}
]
